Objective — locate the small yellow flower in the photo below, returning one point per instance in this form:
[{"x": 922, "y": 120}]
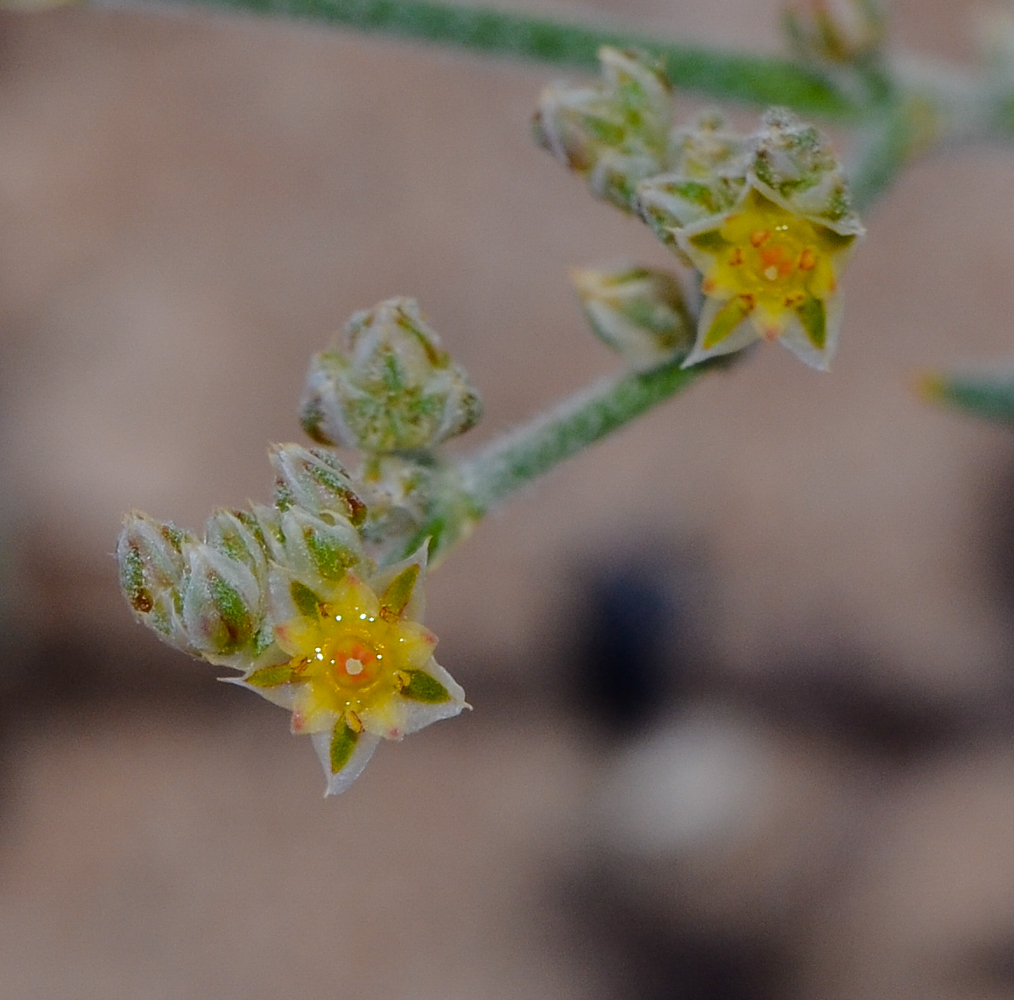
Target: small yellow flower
[
  {"x": 768, "y": 273},
  {"x": 359, "y": 669}
]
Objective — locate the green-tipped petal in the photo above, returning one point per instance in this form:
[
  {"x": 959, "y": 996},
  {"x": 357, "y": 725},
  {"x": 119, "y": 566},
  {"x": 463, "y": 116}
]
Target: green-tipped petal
[
  {"x": 801, "y": 341},
  {"x": 338, "y": 782},
  {"x": 422, "y": 713},
  {"x": 724, "y": 328}
]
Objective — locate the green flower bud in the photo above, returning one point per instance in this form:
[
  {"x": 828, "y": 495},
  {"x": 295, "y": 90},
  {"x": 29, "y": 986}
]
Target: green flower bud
[
  {"x": 707, "y": 178},
  {"x": 836, "y": 31},
  {"x": 670, "y": 202},
  {"x": 316, "y": 481},
  {"x": 637, "y": 311},
  {"x": 236, "y": 534},
  {"x": 614, "y": 132},
  {"x": 152, "y": 573},
  {"x": 414, "y": 499},
  {"x": 792, "y": 160},
  {"x": 315, "y": 548},
  {"x": 391, "y": 388},
  {"x": 401, "y": 490},
  {"x": 223, "y": 604},
  {"x": 707, "y": 148}
]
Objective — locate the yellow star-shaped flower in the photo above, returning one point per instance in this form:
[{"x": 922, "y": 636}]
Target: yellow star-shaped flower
[
  {"x": 768, "y": 273},
  {"x": 359, "y": 669}
]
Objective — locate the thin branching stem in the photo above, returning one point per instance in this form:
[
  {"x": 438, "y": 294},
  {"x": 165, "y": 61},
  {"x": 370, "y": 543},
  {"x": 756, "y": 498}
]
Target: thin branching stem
[
  {"x": 514, "y": 460},
  {"x": 739, "y": 77}
]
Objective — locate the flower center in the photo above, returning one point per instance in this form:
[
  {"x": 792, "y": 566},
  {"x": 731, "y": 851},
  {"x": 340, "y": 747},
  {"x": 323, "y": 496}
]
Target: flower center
[
  {"x": 349, "y": 662},
  {"x": 347, "y": 657},
  {"x": 773, "y": 262}
]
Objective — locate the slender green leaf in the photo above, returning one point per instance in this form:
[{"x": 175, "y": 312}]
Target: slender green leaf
[{"x": 987, "y": 395}]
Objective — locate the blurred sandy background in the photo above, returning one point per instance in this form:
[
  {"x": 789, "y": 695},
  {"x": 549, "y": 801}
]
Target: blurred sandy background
[{"x": 189, "y": 206}]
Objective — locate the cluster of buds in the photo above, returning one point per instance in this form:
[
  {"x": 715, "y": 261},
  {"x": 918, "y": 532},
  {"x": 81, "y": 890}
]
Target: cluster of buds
[
  {"x": 764, "y": 218},
  {"x": 389, "y": 386},
  {"x": 614, "y": 132},
  {"x": 387, "y": 389},
  {"x": 300, "y": 596}
]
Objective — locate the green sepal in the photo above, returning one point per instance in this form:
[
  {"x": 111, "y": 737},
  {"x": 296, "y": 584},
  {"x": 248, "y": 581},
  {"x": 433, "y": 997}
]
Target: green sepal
[
  {"x": 132, "y": 581},
  {"x": 331, "y": 558},
  {"x": 422, "y": 686},
  {"x": 327, "y": 476},
  {"x": 269, "y": 677},
  {"x": 711, "y": 240},
  {"x": 158, "y": 619},
  {"x": 727, "y": 319},
  {"x": 813, "y": 316},
  {"x": 173, "y": 535},
  {"x": 398, "y": 592},
  {"x": 234, "y": 613},
  {"x": 343, "y": 745},
  {"x": 306, "y": 601}
]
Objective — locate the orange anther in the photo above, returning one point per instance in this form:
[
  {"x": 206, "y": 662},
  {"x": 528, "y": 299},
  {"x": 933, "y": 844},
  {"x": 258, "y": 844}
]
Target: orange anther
[
  {"x": 737, "y": 257},
  {"x": 759, "y": 237},
  {"x": 807, "y": 260}
]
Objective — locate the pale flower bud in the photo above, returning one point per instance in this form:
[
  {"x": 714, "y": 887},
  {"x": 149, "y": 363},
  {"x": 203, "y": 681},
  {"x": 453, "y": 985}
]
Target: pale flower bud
[
  {"x": 637, "y": 311},
  {"x": 400, "y": 491},
  {"x": 836, "y": 31},
  {"x": 707, "y": 177},
  {"x": 390, "y": 388},
  {"x": 706, "y": 148},
  {"x": 223, "y": 603},
  {"x": 792, "y": 159},
  {"x": 236, "y": 534},
  {"x": 317, "y": 549},
  {"x": 316, "y": 481},
  {"x": 152, "y": 571},
  {"x": 614, "y": 132}
]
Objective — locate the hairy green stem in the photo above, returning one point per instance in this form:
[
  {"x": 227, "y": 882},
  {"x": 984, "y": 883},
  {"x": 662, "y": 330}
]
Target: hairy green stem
[
  {"x": 512, "y": 461},
  {"x": 748, "y": 79},
  {"x": 509, "y": 463}
]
